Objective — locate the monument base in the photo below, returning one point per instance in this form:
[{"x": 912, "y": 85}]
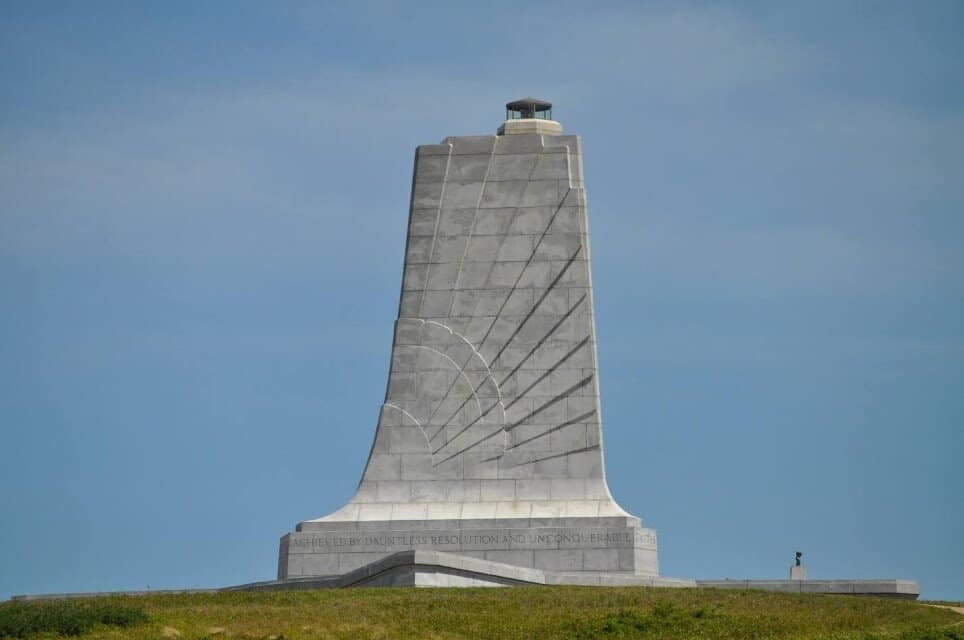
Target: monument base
[
  {"x": 441, "y": 569},
  {"x": 571, "y": 545}
]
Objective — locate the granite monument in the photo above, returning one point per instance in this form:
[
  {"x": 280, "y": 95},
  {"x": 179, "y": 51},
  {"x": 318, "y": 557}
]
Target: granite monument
[{"x": 489, "y": 441}]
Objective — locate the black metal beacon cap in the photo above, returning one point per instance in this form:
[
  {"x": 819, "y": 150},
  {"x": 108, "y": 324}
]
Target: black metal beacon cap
[{"x": 527, "y": 108}]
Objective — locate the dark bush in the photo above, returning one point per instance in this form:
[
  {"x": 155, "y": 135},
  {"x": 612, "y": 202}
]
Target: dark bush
[
  {"x": 65, "y": 617},
  {"x": 663, "y": 617}
]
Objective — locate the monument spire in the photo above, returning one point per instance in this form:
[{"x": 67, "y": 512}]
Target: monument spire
[{"x": 489, "y": 439}]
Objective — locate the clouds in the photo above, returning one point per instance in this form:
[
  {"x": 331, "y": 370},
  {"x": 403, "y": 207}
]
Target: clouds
[
  {"x": 816, "y": 191},
  {"x": 683, "y": 53}
]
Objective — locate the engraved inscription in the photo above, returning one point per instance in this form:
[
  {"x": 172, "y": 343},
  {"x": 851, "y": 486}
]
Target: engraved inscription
[{"x": 471, "y": 540}]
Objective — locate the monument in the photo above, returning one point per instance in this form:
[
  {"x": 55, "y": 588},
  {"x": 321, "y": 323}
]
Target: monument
[
  {"x": 487, "y": 462},
  {"x": 489, "y": 442},
  {"x": 797, "y": 570}
]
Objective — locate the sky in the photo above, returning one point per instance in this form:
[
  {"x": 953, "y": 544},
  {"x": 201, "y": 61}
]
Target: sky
[{"x": 202, "y": 220}]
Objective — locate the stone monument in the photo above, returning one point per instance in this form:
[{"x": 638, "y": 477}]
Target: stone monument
[
  {"x": 487, "y": 463},
  {"x": 489, "y": 441},
  {"x": 797, "y": 570}
]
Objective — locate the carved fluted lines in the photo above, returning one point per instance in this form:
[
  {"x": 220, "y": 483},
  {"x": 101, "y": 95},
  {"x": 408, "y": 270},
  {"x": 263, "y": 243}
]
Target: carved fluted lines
[
  {"x": 505, "y": 237},
  {"x": 542, "y": 340},
  {"x": 553, "y": 456},
  {"x": 555, "y": 399},
  {"x": 526, "y": 357},
  {"x": 438, "y": 216},
  {"x": 532, "y": 254},
  {"x": 483, "y": 374},
  {"x": 447, "y": 347},
  {"x": 470, "y": 447},
  {"x": 516, "y": 283},
  {"x": 475, "y": 217},
  {"x": 523, "y": 270},
  {"x": 509, "y": 307},
  {"x": 535, "y": 306},
  {"x": 543, "y": 407},
  {"x": 569, "y": 354},
  {"x": 545, "y": 374},
  {"x": 568, "y": 423},
  {"x": 460, "y": 373}
]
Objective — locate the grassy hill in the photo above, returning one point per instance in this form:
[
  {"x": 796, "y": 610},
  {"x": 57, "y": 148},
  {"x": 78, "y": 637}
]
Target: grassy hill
[{"x": 522, "y": 612}]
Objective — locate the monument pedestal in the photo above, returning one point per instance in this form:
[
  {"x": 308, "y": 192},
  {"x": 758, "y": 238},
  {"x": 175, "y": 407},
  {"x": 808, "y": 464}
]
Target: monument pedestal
[
  {"x": 798, "y": 572},
  {"x": 616, "y": 545},
  {"x": 420, "y": 568}
]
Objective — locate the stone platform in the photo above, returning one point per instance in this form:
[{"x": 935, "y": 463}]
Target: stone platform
[
  {"x": 441, "y": 569},
  {"x": 618, "y": 545},
  {"x": 892, "y": 588},
  {"x": 416, "y": 568}
]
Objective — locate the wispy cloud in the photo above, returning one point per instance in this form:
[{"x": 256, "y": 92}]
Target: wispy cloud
[
  {"x": 768, "y": 260},
  {"x": 683, "y": 52},
  {"x": 223, "y": 172}
]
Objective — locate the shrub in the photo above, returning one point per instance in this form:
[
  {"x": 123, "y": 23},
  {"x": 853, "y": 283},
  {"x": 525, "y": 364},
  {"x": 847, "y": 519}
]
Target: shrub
[
  {"x": 635, "y": 623},
  {"x": 65, "y": 617}
]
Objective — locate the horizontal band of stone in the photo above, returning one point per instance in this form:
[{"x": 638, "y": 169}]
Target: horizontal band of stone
[
  {"x": 491, "y": 537},
  {"x": 530, "y": 125},
  {"x": 469, "y": 523},
  {"x": 888, "y": 587},
  {"x": 611, "y": 545},
  {"x": 443, "y": 569},
  {"x": 502, "y": 509},
  {"x": 439, "y": 568}
]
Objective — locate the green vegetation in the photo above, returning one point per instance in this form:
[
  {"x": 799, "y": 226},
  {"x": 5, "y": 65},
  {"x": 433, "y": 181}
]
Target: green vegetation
[
  {"x": 66, "y": 617},
  {"x": 579, "y": 613}
]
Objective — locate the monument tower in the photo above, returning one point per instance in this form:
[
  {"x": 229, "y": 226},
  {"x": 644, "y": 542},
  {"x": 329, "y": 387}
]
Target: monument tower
[{"x": 489, "y": 441}]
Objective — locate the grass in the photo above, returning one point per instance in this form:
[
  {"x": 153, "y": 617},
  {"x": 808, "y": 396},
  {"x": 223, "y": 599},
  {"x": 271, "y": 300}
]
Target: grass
[{"x": 580, "y": 613}]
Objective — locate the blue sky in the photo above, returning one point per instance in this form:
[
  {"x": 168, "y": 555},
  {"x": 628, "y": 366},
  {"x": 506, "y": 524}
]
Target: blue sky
[{"x": 202, "y": 216}]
